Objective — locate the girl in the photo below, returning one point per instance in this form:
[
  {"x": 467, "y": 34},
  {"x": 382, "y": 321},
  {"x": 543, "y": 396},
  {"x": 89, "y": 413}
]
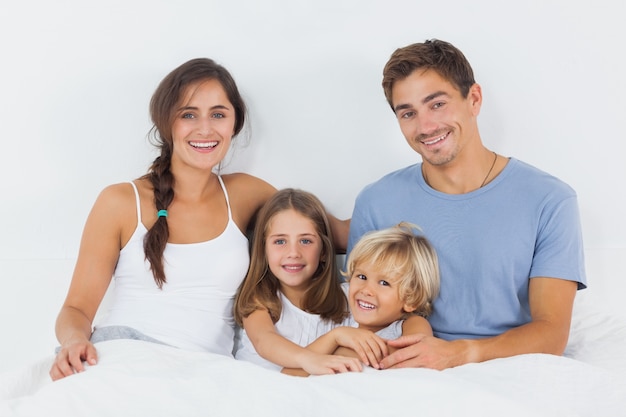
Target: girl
[
  {"x": 393, "y": 279},
  {"x": 173, "y": 238},
  {"x": 291, "y": 293}
]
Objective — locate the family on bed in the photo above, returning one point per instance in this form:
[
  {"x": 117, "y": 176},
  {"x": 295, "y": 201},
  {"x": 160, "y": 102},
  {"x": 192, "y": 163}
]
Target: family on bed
[{"x": 463, "y": 257}]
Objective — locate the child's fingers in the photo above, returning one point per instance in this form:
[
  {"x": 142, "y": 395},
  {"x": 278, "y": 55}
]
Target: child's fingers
[
  {"x": 367, "y": 353},
  {"x": 378, "y": 346},
  {"x": 362, "y": 354},
  {"x": 347, "y": 365},
  {"x": 375, "y": 354},
  {"x": 376, "y": 349}
]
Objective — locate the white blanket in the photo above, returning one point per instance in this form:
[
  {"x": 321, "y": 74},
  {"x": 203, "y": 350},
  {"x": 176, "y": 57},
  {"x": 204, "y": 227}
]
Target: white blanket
[{"x": 136, "y": 378}]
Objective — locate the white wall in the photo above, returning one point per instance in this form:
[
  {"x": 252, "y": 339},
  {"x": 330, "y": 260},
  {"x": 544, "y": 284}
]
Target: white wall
[{"x": 76, "y": 78}]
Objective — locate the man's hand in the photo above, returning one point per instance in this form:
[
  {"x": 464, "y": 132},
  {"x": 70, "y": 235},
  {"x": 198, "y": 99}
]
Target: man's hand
[{"x": 421, "y": 351}]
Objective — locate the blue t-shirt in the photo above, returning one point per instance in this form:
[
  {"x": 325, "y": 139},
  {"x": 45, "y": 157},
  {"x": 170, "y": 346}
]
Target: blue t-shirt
[{"x": 490, "y": 242}]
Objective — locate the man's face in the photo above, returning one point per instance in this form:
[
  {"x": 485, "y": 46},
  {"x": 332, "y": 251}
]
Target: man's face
[{"x": 435, "y": 119}]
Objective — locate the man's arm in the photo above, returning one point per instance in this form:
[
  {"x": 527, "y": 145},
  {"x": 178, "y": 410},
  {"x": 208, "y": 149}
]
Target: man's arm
[{"x": 551, "y": 302}]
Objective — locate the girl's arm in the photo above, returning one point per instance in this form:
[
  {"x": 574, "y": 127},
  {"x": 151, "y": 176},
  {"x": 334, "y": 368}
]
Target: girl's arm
[
  {"x": 363, "y": 344},
  {"x": 349, "y": 342},
  {"x": 414, "y": 324},
  {"x": 98, "y": 254},
  {"x": 275, "y": 348},
  {"x": 353, "y": 342}
]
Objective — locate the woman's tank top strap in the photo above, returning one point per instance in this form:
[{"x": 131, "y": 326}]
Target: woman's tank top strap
[
  {"x": 137, "y": 202},
  {"x": 230, "y": 216}
]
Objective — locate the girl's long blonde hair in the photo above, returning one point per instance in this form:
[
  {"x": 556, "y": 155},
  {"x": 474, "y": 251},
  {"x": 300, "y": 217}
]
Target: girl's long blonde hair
[{"x": 259, "y": 289}]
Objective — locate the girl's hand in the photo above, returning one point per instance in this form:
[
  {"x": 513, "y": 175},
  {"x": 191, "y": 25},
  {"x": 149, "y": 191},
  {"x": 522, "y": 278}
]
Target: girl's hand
[
  {"x": 369, "y": 347},
  {"x": 70, "y": 358},
  {"x": 316, "y": 364}
]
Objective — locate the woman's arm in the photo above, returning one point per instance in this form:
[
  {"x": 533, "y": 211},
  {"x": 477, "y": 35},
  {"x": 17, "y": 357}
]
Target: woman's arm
[
  {"x": 275, "y": 348},
  {"x": 98, "y": 254},
  {"x": 340, "y": 229},
  {"x": 247, "y": 195}
]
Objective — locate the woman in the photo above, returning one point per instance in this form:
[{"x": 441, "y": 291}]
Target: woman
[{"x": 174, "y": 238}]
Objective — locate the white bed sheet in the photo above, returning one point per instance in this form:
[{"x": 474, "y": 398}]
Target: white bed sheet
[{"x": 143, "y": 379}]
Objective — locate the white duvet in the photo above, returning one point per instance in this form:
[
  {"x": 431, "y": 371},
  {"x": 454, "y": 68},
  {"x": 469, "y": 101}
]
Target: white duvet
[{"x": 135, "y": 378}]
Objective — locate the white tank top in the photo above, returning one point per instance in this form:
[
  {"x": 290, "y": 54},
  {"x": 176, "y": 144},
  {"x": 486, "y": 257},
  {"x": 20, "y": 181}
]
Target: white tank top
[{"x": 193, "y": 311}]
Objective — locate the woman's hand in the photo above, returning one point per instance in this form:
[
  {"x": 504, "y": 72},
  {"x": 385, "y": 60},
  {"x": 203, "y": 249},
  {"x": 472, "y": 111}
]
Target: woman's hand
[{"x": 70, "y": 357}]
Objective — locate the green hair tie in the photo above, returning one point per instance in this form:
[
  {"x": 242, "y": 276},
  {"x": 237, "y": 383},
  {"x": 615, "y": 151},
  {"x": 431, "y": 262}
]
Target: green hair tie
[{"x": 162, "y": 213}]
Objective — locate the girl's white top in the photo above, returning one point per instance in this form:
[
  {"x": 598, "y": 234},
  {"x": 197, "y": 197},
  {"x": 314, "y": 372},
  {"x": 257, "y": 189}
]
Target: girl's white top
[{"x": 294, "y": 324}]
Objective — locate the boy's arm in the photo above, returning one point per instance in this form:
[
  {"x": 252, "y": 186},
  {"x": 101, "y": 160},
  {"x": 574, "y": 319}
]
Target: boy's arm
[{"x": 416, "y": 324}]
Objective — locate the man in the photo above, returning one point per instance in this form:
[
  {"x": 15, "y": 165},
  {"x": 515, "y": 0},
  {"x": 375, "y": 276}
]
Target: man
[{"x": 508, "y": 235}]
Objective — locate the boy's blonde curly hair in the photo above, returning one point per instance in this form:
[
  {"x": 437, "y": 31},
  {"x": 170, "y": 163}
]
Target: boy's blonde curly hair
[{"x": 401, "y": 252}]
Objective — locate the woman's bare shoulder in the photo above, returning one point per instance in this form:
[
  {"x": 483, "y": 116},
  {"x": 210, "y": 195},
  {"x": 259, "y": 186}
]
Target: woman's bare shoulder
[
  {"x": 243, "y": 179},
  {"x": 249, "y": 186},
  {"x": 116, "y": 193},
  {"x": 247, "y": 194},
  {"x": 116, "y": 208},
  {"x": 120, "y": 199}
]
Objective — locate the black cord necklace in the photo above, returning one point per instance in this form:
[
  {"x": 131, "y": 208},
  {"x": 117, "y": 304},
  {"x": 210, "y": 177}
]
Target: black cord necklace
[{"x": 493, "y": 164}]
